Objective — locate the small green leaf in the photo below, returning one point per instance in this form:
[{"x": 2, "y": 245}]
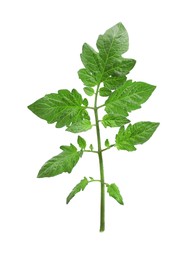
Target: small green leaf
[
  {"x": 64, "y": 108},
  {"x": 114, "y": 192},
  {"x": 63, "y": 162},
  {"x": 81, "y": 142},
  {"x": 105, "y": 92},
  {"x": 85, "y": 102},
  {"x": 80, "y": 186},
  {"x": 87, "y": 78},
  {"x": 139, "y": 133},
  {"x": 107, "y": 143},
  {"x": 128, "y": 97},
  {"x": 89, "y": 91},
  {"x": 112, "y": 120},
  {"x": 81, "y": 126},
  {"x": 91, "y": 147}
]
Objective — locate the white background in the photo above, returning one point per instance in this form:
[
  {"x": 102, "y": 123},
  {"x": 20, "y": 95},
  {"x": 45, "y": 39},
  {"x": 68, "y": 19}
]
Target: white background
[{"x": 39, "y": 53}]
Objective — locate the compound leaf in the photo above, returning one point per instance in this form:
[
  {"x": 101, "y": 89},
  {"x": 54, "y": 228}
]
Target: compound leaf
[
  {"x": 114, "y": 192},
  {"x": 139, "y": 133},
  {"x": 63, "y": 162},
  {"x": 79, "y": 187}
]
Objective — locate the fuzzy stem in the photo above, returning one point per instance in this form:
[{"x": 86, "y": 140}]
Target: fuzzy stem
[{"x": 102, "y": 190}]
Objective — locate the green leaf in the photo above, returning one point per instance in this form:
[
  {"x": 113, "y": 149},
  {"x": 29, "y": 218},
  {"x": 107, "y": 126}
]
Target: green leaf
[
  {"x": 114, "y": 82},
  {"x": 63, "y": 162},
  {"x": 81, "y": 126},
  {"x": 107, "y": 143},
  {"x": 87, "y": 78},
  {"x": 139, "y": 133},
  {"x": 91, "y": 147},
  {"x": 109, "y": 61},
  {"x": 92, "y": 61},
  {"x": 114, "y": 192},
  {"x": 81, "y": 142},
  {"x": 105, "y": 92},
  {"x": 128, "y": 97},
  {"x": 112, "y": 120},
  {"x": 85, "y": 102},
  {"x": 63, "y": 108},
  {"x": 89, "y": 91},
  {"x": 79, "y": 187}
]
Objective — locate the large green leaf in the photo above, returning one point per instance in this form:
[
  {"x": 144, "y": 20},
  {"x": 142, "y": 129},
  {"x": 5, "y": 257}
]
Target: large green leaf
[
  {"x": 114, "y": 192},
  {"x": 63, "y": 162},
  {"x": 79, "y": 187},
  {"x": 139, "y": 133},
  {"x": 64, "y": 108},
  {"x": 109, "y": 61},
  {"x": 128, "y": 97}
]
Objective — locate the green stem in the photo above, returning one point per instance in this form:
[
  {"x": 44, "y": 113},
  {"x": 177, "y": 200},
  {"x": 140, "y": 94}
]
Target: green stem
[
  {"x": 101, "y": 106},
  {"x": 89, "y": 151},
  {"x": 98, "y": 181},
  {"x": 102, "y": 198},
  {"x": 112, "y": 145}
]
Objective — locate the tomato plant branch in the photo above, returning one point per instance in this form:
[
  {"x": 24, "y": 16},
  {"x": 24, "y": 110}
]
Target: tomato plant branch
[{"x": 102, "y": 199}]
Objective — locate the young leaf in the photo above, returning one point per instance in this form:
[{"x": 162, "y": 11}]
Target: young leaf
[
  {"x": 81, "y": 126},
  {"x": 80, "y": 186},
  {"x": 139, "y": 133},
  {"x": 85, "y": 102},
  {"x": 91, "y": 147},
  {"x": 108, "y": 62},
  {"x": 112, "y": 120},
  {"x": 111, "y": 45},
  {"x": 114, "y": 192},
  {"x": 107, "y": 143},
  {"x": 63, "y": 108},
  {"x": 87, "y": 78},
  {"x": 89, "y": 91},
  {"x": 63, "y": 162},
  {"x": 81, "y": 142},
  {"x": 128, "y": 97}
]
